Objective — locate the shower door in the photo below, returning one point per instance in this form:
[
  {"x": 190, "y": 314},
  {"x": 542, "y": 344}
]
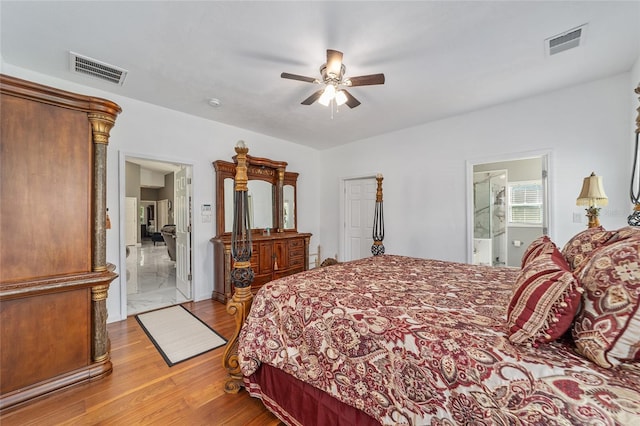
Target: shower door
[{"x": 489, "y": 224}]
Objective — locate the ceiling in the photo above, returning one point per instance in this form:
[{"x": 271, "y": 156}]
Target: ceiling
[
  {"x": 440, "y": 58},
  {"x": 162, "y": 167}
]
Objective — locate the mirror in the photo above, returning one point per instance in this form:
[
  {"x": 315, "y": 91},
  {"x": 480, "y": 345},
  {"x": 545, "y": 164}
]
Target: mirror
[
  {"x": 271, "y": 193},
  {"x": 289, "y": 206},
  {"x": 260, "y": 204},
  {"x": 260, "y": 196},
  {"x": 508, "y": 208},
  {"x": 228, "y": 204}
]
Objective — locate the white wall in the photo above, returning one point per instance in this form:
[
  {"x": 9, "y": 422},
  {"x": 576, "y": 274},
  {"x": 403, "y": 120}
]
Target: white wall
[
  {"x": 144, "y": 129},
  {"x": 586, "y": 128}
]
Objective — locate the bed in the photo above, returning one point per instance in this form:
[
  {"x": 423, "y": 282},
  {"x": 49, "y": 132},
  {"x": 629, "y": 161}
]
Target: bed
[{"x": 399, "y": 340}]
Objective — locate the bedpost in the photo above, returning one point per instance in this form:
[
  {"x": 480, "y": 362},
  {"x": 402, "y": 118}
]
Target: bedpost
[
  {"x": 241, "y": 274},
  {"x": 378, "y": 221},
  {"x": 634, "y": 218}
]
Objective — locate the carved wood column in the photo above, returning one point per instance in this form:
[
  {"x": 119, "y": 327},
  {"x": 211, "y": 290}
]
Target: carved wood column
[
  {"x": 378, "y": 221},
  {"x": 101, "y": 124},
  {"x": 280, "y": 200},
  {"x": 242, "y": 275},
  {"x": 100, "y": 340}
]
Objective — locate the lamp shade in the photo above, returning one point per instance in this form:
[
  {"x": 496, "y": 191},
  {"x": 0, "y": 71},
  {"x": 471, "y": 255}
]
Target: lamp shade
[
  {"x": 341, "y": 98},
  {"x": 328, "y": 94},
  {"x": 592, "y": 192}
]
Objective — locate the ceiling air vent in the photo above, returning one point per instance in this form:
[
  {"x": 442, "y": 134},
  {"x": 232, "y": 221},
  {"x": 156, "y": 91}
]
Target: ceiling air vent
[
  {"x": 565, "y": 41},
  {"x": 94, "y": 68}
]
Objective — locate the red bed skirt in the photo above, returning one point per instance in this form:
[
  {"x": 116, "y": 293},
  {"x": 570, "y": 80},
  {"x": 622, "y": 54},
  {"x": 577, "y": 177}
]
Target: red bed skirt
[{"x": 298, "y": 403}]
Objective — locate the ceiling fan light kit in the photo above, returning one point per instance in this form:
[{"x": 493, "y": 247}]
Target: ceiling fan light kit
[{"x": 332, "y": 77}]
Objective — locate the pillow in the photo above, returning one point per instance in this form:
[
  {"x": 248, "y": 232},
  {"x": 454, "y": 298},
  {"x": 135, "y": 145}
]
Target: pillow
[
  {"x": 538, "y": 246},
  {"x": 607, "y": 328},
  {"x": 544, "y": 301},
  {"x": 582, "y": 244},
  {"x": 624, "y": 233}
]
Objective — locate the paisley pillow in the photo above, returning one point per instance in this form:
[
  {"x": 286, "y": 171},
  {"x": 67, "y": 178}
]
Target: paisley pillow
[
  {"x": 544, "y": 301},
  {"x": 578, "y": 248},
  {"x": 607, "y": 328},
  {"x": 624, "y": 233}
]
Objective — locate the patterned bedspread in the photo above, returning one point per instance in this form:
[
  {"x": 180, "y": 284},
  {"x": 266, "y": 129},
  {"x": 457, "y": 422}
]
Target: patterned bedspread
[{"x": 423, "y": 342}]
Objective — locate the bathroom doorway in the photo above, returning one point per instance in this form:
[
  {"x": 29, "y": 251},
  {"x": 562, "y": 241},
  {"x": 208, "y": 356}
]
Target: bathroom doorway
[{"x": 508, "y": 207}]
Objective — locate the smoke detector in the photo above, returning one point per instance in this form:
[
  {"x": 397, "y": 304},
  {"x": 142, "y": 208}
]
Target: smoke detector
[
  {"x": 85, "y": 65},
  {"x": 567, "y": 40}
]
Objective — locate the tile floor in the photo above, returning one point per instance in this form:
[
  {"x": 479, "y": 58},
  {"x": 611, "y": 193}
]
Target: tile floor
[{"x": 151, "y": 278}]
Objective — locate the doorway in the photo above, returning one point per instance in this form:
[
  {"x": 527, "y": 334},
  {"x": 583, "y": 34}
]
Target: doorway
[
  {"x": 489, "y": 217},
  {"x": 358, "y": 212},
  {"x": 157, "y": 275},
  {"x": 508, "y": 207}
]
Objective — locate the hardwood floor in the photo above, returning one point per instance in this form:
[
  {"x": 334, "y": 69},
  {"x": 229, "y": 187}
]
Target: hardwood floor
[{"x": 143, "y": 390}]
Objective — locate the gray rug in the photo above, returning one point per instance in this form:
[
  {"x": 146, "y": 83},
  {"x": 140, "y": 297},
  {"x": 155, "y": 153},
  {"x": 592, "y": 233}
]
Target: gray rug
[{"x": 178, "y": 334}]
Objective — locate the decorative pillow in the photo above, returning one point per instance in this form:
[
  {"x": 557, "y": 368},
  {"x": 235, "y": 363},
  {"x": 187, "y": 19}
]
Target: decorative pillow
[
  {"x": 607, "y": 328},
  {"x": 582, "y": 244},
  {"x": 544, "y": 301},
  {"x": 538, "y": 246},
  {"x": 624, "y": 233}
]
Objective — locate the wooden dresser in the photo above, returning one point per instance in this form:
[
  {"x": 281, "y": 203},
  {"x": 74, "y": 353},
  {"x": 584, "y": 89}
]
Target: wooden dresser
[
  {"x": 278, "y": 249},
  {"x": 272, "y": 257},
  {"x": 54, "y": 276}
]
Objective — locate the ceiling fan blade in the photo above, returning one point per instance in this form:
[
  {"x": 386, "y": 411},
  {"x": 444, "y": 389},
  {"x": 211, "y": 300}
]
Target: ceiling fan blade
[
  {"x": 298, "y": 77},
  {"x": 311, "y": 99},
  {"x": 351, "y": 101},
  {"x": 366, "y": 80},
  {"x": 334, "y": 62}
]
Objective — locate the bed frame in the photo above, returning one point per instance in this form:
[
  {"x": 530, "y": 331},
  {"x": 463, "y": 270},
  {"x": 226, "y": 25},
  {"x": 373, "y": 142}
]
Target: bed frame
[{"x": 241, "y": 276}]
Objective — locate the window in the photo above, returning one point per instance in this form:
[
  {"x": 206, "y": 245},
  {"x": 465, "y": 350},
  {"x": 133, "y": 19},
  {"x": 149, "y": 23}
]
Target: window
[{"x": 525, "y": 202}]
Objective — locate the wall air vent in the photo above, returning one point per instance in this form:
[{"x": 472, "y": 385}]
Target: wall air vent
[
  {"x": 94, "y": 68},
  {"x": 567, "y": 40}
]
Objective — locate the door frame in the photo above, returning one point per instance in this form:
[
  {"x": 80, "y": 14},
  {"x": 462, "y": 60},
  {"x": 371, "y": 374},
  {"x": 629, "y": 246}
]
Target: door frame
[
  {"x": 342, "y": 235},
  {"x": 548, "y": 185},
  {"x": 127, "y": 219},
  {"x": 122, "y": 158}
]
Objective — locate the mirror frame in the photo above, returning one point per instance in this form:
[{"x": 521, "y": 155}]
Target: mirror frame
[{"x": 271, "y": 171}]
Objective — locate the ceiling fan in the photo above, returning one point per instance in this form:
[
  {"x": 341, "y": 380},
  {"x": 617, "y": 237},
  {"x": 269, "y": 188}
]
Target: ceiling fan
[{"x": 334, "y": 82}]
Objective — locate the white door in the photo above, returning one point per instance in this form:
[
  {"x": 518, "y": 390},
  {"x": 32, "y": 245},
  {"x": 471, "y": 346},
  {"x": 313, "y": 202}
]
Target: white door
[
  {"x": 131, "y": 221},
  {"x": 163, "y": 215},
  {"x": 360, "y": 202},
  {"x": 182, "y": 215}
]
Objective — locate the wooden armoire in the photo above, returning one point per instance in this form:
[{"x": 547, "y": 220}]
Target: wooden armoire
[{"x": 54, "y": 276}]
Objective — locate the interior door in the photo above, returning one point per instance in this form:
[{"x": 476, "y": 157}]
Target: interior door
[
  {"x": 131, "y": 221},
  {"x": 182, "y": 214},
  {"x": 163, "y": 215},
  {"x": 360, "y": 200}
]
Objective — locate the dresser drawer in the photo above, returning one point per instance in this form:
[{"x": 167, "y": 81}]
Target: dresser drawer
[
  {"x": 298, "y": 252},
  {"x": 297, "y": 243},
  {"x": 296, "y": 261}
]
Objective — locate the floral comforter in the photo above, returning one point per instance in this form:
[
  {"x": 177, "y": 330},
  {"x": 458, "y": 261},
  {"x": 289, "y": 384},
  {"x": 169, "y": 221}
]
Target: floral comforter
[{"x": 423, "y": 342}]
